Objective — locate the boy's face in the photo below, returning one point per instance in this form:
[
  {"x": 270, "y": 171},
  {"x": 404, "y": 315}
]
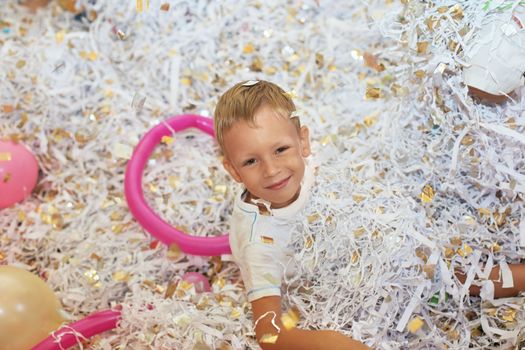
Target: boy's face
[{"x": 267, "y": 157}]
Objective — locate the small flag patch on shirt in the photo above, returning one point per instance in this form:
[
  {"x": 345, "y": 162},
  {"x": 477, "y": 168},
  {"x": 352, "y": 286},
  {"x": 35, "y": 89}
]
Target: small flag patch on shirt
[{"x": 267, "y": 239}]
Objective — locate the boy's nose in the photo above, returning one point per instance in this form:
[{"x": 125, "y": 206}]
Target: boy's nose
[{"x": 270, "y": 168}]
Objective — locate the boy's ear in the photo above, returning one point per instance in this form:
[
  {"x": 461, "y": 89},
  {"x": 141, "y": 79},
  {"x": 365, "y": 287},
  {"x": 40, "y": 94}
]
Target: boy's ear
[
  {"x": 304, "y": 135},
  {"x": 231, "y": 169}
]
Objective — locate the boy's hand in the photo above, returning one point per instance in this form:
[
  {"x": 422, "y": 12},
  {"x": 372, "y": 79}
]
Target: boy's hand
[
  {"x": 336, "y": 341},
  {"x": 267, "y": 314}
]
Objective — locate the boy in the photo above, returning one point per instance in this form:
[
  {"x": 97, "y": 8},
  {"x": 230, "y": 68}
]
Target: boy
[{"x": 265, "y": 148}]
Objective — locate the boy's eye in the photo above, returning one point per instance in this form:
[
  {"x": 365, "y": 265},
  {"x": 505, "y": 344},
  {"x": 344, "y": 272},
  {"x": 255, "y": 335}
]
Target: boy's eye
[
  {"x": 249, "y": 162},
  {"x": 282, "y": 149}
]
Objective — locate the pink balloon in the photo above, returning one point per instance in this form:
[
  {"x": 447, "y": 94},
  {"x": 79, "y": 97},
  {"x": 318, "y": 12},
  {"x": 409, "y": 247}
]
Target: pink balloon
[
  {"x": 200, "y": 281},
  {"x": 207, "y": 246},
  {"x": 18, "y": 173},
  {"x": 70, "y": 335}
]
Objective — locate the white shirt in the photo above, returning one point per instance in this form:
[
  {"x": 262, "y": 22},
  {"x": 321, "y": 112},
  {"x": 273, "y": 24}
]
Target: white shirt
[
  {"x": 496, "y": 58},
  {"x": 260, "y": 243}
]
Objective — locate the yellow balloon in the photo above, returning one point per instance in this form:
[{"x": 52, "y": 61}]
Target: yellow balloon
[{"x": 29, "y": 310}]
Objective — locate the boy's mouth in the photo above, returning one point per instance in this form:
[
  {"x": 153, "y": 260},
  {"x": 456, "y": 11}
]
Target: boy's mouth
[{"x": 280, "y": 184}]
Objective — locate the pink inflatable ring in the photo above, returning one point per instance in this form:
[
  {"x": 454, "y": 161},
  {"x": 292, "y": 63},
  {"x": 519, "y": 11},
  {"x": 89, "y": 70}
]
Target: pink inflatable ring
[
  {"x": 70, "y": 335},
  {"x": 206, "y": 246}
]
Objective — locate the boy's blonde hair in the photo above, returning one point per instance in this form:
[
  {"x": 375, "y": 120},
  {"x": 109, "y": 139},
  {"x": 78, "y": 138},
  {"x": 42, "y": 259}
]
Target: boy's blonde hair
[{"x": 243, "y": 100}]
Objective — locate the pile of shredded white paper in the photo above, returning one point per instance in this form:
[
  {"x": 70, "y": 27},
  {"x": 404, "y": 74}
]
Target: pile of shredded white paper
[{"x": 416, "y": 179}]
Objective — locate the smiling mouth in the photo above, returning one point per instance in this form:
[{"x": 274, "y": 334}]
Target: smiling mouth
[{"x": 280, "y": 184}]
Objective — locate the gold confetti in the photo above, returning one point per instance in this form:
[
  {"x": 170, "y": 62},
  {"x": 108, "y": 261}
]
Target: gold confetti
[
  {"x": 268, "y": 338},
  {"x": 96, "y": 257},
  {"x": 457, "y": 241},
  {"x": 457, "y": 12},
  {"x": 415, "y": 324},
  {"x": 370, "y": 120},
  {"x": 291, "y": 94},
  {"x": 355, "y": 257},
  {"x": 449, "y": 252},
  {"x": 56, "y": 221},
  {"x": 170, "y": 290},
  {"x": 356, "y": 55},
  {"x": 92, "y": 277},
  {"x": 496, "y": 247},
  {"x": 248, "y": 48},
  {"x": 220, "y": 282},
  {"x": 122, "y": 151},
  {"x": 509, "y": 315},
  {"x": 319, "y": 60},
  {"x": 422, "y": 47},
  {"x": 309, "y": 243},
  {"x": 20, "y": 64},
  {"x": 120, "y": 276},
  {"x": 220, "y": 189},
  {"x": 290, "y": 319},
  {"x": 167, "y": 140},
  {"x": 358, "y": 198},
  {"x": 200, "y": 346},
  {"x": 476, "y": 332},
  {"x": 373, "y": 93},
  {"x": 270, "y": 70},
  {"x": 116, "y": 216},
  {"x": 139, "y": 6},
  {"x": 185, "y": 81},
  {"x": 372, "y": 61},
  {"x": 312, "y": 218},
  {"x": 68, "y": 5},
  {"x": 267, "y": 239},
  {"x": 431, "y": 23},
  {"x": 328, "y": 139},
  {"x": 429, "y": 270},
  {"x": 5, "y": 156},
  {"x": 257, "y": 65},
  {"x": 484, "y": 211},
  {"x": 465, "y": 251},
  {"x": 7, "y": 178},
  {"x": 359, "y": 232},
  {"x": 91, "y": 55},
  {"x": 235, "y": 313},
  {"x": 108, "y": 93},
  {"x": 118, "y": 228},
  {"x": 209, "y": 182},
  {"x": 174, "y": 252},
  {"x": 23, "y": 120},
  {"x": 121, "y": 35},
  {"x": 173, "y": 181},
  {"x": 469, "y": 219},
  {"x": 59, "y": 36},
  {"x": 419, "y": 73},
  {"x": 427, "y": 194},
  {"x": 453, "y": 334},
  {"x": 8, "y": 108},
  {"x": 399, "y": 90}
]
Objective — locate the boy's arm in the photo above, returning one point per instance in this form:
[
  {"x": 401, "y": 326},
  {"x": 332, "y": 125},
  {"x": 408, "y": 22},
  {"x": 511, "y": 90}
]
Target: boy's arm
[{"x": 295, "y": 338}]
